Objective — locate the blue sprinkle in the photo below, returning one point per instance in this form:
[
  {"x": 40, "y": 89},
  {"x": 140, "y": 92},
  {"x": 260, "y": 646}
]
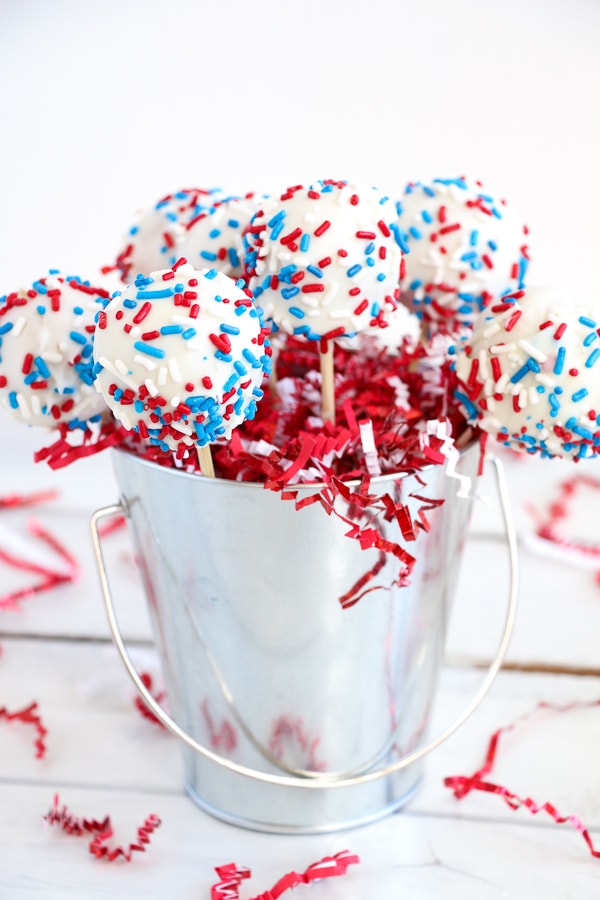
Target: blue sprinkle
[
  {"x": 234, "y": 259},
  {"x": 579, "y": 395},
  {"x": 521, "y": 373},
  {"x": 278, "y": 228},
  {"x": 6, "y": 328},
  {"x": 560, "y": 361},
  {"x": 41, "y": 310},
  {"x": 224, "y": 357},
  {"x": 414, "y": 232},
  {"x": 414, "y": 285},
  {"x": 250, "y": 357},
  {"x": 230, "y": 383},
  {"x": 288, "y": 293},
  {"x": 277, "y": 219},
  {"x": 207, "y": 255},
  {"x": 151, "y": 295},
  {"x": 297, "y": 312},
  {"x": 229, "y": 329},
  {"x": 493, "y": 245},
  {"x": 381, "y": 276},
  {"x": 375, "y": 309},
  {"x": 233, "y": 223},
  {"x": 588, "y": 322},
  {"x": 29, "y": 379},
  {"x": 315, "y": 271},
  {"x": 78, "y": 338},
  {"x": 400, "y": 238},
  {"x": 149, "y": 350},
  {"x": 592, "y": 358},
  {"x": 78, "y": 310},
  {"x": 429, "y": 191},
  {"x": 426, "y": 216},
  {"x": 42, "y": 367},
  {"x": 189, "y": 333},
  {"x": 139, "y": 406},
  {"x": 591, "y": 337},
  {"x": 354, "y": 270},
  {"x": 583, "y": 432},
  {"x": 214, "y": 233},
  {"x": 212, "y": 273},
  {"x": 240, "y": 368},
  {"x": 171, "y": 329},
  {"x": 305, "y": 242},
  {"x": 129, "y": 304},
  {"x": 474, "y": 238},
  {"x": 370, "y": 261}
]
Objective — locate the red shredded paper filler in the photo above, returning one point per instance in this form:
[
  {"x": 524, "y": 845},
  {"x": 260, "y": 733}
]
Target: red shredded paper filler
[
  {"x": 102, "y": 832},
  {"x": 231, "y": 877},
  {"x": 29, "y": 716},
  {"x": 462, "y": 785}
]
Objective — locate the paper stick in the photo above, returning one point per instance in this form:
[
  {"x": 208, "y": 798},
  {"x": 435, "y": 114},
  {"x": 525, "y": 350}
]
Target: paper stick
[
  {"x": 327, "y": 383},
  {"x": 206, "y": 462}
]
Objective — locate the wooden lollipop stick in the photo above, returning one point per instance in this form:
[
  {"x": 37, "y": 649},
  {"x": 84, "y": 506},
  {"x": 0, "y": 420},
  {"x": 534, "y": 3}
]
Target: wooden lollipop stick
[
  {"x": 327, "y": 384},
  {"x": 206, "y": 461}
]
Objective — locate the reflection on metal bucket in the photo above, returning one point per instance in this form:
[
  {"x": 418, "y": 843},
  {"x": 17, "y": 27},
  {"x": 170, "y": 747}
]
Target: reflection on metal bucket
[{"x": 261, "y": 662}]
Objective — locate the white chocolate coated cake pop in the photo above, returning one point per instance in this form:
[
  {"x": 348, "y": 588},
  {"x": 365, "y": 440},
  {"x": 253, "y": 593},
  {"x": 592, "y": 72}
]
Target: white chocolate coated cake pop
[
  {"x": 324, "y": 261},
  {"x": 181, "y": 355},
  {"x": 530, "y": 374},
  {"x": 465, "y": 248},
  {"x": 46, "y": 364},
  {"x": 204, "y": 226}
]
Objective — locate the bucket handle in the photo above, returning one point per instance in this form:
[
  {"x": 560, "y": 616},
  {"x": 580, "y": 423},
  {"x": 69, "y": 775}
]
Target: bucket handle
[{"x": 315, "y": 780}]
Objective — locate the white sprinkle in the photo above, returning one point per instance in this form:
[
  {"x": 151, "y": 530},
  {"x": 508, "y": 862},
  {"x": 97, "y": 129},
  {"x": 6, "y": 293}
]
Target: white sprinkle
[
  {"x": 152, "y": 389},
  {"x": 544, "y": 379},
  {"x": 23, "y": 406},
  {"x": 497, "y": 349},
  {"x": 144, "y": 362},
  {"x": 162, "y": 376},
  {"x": 19, "y": 326},
  {"x": 532, "y": 351},
  {"x": 174, "y": 370},
  {"x": 492, "y": 329},
  {"x": 53, "y": 357}
]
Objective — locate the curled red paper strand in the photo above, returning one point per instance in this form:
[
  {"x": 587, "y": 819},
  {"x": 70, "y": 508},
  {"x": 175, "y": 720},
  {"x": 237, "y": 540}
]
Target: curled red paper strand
[
  {"x": 231, "y": 877},
  {"x": 29, "y": 716},
  {"x": 9, "y": 501},
  {"x": 159, "y": 696},
  {"x": 462, "y": 785},
  {"x": 101, "y": 831},
  {"x": 50, "y": 578},
  {"x": 548, "y": 527}
]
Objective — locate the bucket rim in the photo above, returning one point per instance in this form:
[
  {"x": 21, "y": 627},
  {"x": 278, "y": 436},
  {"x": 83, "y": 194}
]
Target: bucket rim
[{"x": 313, "y": 486}]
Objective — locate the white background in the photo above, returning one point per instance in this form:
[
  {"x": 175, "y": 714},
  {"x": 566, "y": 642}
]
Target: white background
[{"x": 106, "y": 106}]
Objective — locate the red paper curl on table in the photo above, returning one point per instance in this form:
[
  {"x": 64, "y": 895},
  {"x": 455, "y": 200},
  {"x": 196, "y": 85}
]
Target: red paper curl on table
[
  {"x": 29, "y": 716},
  {"x": 462, "y": 785},
  {"x": 231, "y": 877},
  {"x": 102, "y": 831}
]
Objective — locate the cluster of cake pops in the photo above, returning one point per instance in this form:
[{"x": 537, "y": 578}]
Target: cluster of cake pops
[{"x": 340, "y": 279}]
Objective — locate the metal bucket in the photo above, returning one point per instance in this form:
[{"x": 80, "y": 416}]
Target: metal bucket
[{"x": 296, "y": 715}]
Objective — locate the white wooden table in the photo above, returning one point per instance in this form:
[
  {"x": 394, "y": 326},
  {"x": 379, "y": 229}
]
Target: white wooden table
[{"x": 104, "y": 757}]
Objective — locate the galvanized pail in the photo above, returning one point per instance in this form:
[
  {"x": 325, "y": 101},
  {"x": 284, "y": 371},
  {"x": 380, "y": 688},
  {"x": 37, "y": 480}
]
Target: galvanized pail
[{"x": 296, "y": 715}]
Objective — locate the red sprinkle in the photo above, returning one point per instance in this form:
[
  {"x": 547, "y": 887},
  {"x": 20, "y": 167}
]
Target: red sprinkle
[{"x": 322, "y": 228}]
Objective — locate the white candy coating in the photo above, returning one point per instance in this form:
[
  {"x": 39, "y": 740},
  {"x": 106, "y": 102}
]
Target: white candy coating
[
  {"x": 205, "y": 227},
  {"x": 530, "y": 374},
  {"x": 324, "y": 261},
  {"x": 46, "y": 364},
  {"x": 465, "y": 249},
  {"x": 180, "y": 356}
]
